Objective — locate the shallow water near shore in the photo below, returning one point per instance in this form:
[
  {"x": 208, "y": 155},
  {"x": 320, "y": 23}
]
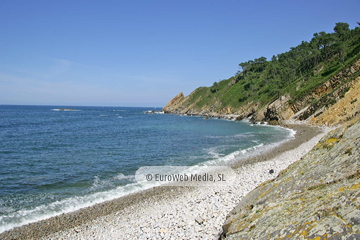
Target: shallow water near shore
[{"x": 55, "y": 161}]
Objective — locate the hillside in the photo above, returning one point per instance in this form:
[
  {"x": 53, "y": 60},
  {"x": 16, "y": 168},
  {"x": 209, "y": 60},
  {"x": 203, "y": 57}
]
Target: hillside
[
  {"x": 317, "y": 82},
  {"x": 301, "y": 84}
]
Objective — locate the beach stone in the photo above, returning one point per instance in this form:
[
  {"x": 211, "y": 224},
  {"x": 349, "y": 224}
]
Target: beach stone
[
  {"x": 199, "y": 220},
  {"x": 162, "y": 208},
  {"x": 317, "y": 197}
]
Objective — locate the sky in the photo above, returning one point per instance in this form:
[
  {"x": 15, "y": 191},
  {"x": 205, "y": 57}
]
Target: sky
[{"x": 141, "y": 53}]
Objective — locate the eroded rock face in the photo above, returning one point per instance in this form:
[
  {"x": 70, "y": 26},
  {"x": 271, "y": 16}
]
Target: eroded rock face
[
  {"x": 344, "y": 109},
  {"x": 310, "y": 107},
  {"x": 174, "y": 103},
  {"x": 326, "y": 95},
  {"x": 318, "y": 196}
]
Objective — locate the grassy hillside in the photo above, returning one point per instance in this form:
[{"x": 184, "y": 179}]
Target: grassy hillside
[{"x": 295, "y": 73}]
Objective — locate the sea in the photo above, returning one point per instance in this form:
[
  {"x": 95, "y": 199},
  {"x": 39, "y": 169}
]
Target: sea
[{"x": 56, "y": 159}]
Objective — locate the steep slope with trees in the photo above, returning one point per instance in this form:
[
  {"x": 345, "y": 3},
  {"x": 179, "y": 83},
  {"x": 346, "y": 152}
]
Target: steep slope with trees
[{"x": 301, "y": 83}]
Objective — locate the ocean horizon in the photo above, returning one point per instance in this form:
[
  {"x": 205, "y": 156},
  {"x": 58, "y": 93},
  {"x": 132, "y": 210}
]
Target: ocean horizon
[{"x": 60, "y": 159}]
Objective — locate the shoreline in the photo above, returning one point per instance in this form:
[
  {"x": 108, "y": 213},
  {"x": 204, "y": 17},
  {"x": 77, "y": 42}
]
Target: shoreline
[
  {"x": 303, "y": 134},
  {"x": 81, "y": 223}
]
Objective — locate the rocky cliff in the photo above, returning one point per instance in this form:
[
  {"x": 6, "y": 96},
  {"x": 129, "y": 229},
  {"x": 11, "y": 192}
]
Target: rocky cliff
[
  {"x": 317, "y": 197},
  {"x": 174, "y": 103},
  {"x": 323, "y": 105}
]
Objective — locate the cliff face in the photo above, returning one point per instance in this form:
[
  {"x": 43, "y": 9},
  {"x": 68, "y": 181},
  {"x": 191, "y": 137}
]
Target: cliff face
[
  {"x": 174, "y": 103},
  {"x": 317, "y": 197},
  {"x": 344, "y": 109},
  {"x": 316, "y": 106}
]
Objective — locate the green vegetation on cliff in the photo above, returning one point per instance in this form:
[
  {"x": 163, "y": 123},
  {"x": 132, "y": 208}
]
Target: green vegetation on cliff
[{"x": 294, "y": 74}]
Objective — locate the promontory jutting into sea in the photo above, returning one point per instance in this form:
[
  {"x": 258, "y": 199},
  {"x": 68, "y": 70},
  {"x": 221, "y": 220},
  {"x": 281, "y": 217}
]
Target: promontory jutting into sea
[{"x": 56, "y": 159}]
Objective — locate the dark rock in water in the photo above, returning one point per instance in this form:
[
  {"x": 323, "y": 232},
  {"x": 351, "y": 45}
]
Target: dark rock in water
[
  {"x": 252, "y": 120},
  {"x": 316, "y": 197},
  {"x": 239, "y": 118},
  {"x": 271, "y": 171}
]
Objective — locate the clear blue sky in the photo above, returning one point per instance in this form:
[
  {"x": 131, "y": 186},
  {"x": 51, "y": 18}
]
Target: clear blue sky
[{"x": 143, "y": 53}]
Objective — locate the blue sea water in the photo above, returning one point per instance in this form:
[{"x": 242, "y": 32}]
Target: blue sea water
[{"x": 54, "y": 161}]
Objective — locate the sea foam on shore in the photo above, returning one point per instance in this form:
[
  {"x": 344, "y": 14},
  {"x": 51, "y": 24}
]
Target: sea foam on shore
[
  {"x": 197, "y": 213},
  {"x": 216, "y": 155}
]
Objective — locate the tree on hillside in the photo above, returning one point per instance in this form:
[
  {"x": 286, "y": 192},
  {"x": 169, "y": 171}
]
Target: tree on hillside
[
  {"x": 342, "y": 31},
  {"x": 341, "y": 49},
  {"x": 215, "y": 87},
  {"x": 260, "y": 64}
]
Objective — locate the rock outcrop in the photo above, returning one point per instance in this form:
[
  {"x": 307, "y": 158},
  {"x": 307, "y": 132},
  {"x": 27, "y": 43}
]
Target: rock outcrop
[
  {"x": 343, "y": 110},
  {"x": 313, "y": 106},
  {"x": 174, "y": 103},
  {"x": 317, "y": 197}
]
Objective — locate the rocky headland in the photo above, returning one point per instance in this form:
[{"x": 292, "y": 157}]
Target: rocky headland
[
  {"x": 316, "y": 197},
  {"x": 333, "y": 102}
]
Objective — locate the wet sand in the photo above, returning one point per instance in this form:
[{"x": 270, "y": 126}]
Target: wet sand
[{"x": 171, "y": 212}]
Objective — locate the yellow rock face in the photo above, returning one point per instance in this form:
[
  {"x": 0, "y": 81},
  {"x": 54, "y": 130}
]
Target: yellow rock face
[{"x": 343, "y": 110}]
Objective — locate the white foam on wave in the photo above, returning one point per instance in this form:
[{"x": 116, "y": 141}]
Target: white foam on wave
[
  {"x": 121, "y": 176},
  {"x": 98, "y": 183},
  {"x": 214, "y": 153},
  {"x": 291, "y": 132},
  {"x": 235, "y": 136},
  {"x": 242, "y": 154},
  {"x": 5, "y": 209},
  {"x": 66, "y": 110},
  {"x": 235, "y": 156},
  {"x": 23, "y": 217}
]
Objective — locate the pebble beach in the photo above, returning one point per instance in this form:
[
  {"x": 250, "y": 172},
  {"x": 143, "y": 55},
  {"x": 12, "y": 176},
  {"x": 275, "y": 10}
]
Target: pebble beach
[{"x": 173, "y": 212}]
